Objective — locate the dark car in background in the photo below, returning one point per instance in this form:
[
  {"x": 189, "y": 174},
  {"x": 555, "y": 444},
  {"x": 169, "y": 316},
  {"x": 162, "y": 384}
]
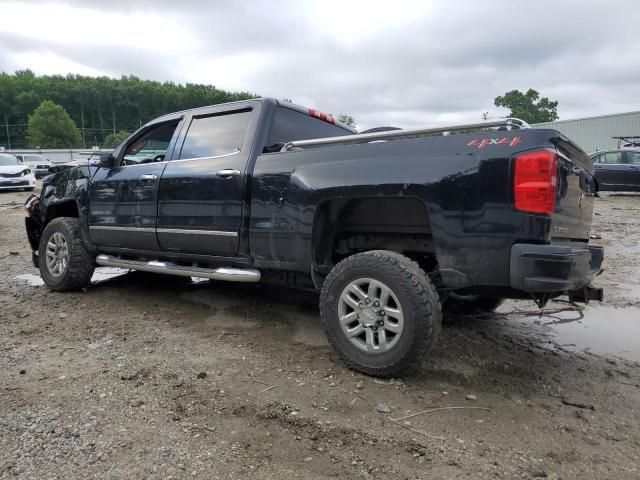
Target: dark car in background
[{"x": 617, "y": 170}]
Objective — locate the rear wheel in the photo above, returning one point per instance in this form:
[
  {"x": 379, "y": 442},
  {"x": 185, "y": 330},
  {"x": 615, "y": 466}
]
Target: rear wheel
[
  {"x": 380, "y": 312},
  {"x": 64, "y": 262}
]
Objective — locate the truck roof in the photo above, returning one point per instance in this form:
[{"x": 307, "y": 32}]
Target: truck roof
[{"x": 273, "y": 101}]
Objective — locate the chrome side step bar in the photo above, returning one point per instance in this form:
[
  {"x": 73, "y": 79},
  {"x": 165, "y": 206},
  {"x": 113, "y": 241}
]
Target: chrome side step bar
[{"x": 222, "y": 273}]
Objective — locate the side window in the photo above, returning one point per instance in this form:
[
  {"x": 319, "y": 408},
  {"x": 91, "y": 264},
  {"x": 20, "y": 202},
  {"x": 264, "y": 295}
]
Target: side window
[
  {"x": 611, "y": 157},
  {"x": 215, "y": 135},
  {"x": 290, "y": 125},
  {"x": 151, "y": 146},
  {"x": 596, "y": 159},
  {"x": 634, "y": 158}
]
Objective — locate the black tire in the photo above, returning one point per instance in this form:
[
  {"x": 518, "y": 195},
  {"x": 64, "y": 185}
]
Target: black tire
[
  {"x": 417, "y": 298},
  {"x": 469, "y": 305},
  {"x": 80, "y": 264}
]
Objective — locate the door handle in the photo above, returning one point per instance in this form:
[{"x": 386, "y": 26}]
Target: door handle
[
  {"x": 227, "y": 173},
  {"x": 148, "y": 177}
]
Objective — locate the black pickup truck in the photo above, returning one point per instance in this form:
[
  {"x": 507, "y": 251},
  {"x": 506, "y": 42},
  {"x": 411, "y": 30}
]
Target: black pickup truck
[{"x": 391, "y": 226}]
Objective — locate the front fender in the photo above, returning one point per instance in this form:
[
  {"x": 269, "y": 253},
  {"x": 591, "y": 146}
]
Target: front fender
[{"x": 66, "y": 194}]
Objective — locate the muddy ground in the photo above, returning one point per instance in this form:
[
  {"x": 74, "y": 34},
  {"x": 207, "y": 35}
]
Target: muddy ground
[{"x": 145, "y": 378}]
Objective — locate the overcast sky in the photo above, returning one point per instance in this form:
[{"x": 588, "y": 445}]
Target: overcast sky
[{"x": 403, "y": 63}]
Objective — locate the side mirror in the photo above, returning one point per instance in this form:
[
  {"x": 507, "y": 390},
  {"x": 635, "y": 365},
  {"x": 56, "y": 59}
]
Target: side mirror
[{"x": 106, "y": 160}]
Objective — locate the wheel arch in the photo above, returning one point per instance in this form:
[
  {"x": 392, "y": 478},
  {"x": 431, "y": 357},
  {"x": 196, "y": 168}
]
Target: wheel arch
[
  {"x": 345, "y": 226},
  {"x": 63, "y": 208}
]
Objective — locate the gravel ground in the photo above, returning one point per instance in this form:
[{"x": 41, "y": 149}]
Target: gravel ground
[{"x": 147, "y": 377}]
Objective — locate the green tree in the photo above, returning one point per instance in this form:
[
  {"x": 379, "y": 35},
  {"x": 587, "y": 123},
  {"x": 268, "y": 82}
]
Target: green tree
[
  {"x": 99, "y": 106},
  {"x": 347, "y": 120},
  {"x": 114, "y": 139},
  {"x": 528, "y": 106},
  {"x": 50, "y": 126}
]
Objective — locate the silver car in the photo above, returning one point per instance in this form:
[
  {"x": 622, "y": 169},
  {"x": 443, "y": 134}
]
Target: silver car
[{"x": 38, "y": 164}]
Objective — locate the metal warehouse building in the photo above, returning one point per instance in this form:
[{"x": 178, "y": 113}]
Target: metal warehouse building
[{"x": 595, "y": 133}]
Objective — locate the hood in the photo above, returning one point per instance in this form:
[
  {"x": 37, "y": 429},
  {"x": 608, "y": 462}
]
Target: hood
[{"x": 14, "y": 168}]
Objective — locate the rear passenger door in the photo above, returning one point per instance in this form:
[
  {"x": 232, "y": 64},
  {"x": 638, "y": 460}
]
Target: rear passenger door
[{"x": 200, "y": 198}]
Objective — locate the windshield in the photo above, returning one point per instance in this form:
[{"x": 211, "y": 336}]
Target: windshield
[{"x": 8, "y": 160}]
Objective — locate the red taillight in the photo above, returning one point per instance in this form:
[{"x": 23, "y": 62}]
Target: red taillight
[
  {"x": 322, "y": 116},
  {"x": 535, "y": 180}
]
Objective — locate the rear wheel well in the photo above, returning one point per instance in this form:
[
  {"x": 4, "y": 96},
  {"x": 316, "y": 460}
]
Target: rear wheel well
[{"x": 343, "y": 227}]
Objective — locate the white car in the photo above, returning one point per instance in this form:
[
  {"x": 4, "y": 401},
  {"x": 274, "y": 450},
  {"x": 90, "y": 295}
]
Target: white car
[
  {"x": 15, "y": 174},
  {"x": 39, "y": 165}
]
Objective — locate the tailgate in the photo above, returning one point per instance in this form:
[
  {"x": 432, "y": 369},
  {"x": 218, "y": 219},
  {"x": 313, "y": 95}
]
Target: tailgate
[{"x": 576, "y": 190}]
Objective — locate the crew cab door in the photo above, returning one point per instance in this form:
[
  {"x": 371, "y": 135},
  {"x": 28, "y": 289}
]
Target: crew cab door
[
  {"x": 200, "y": 199},
  {"x": 123, "y": 199}
]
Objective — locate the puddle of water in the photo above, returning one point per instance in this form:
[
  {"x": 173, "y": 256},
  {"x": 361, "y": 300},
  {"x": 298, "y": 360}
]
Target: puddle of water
[
  {"x": 605, "y": 330},
  {"x": 100, "y": 275},
  {"x": 631, "y": 290}
]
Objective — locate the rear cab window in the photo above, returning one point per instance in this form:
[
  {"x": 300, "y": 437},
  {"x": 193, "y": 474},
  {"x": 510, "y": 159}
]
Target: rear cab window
[{"x": 290, "y": 125}]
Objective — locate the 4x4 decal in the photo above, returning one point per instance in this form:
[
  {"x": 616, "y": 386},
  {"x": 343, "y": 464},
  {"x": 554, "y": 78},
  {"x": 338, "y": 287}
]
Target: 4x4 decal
[{"x": 481, "y": 143}]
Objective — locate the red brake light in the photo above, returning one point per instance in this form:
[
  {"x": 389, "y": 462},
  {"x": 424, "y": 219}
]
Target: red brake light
[
  {"x": 322, "y": 116},
  {"x": 535, "y": 180}
]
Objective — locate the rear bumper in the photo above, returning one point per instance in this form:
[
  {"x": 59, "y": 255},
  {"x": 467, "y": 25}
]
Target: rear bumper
[{"x": 555, "y": 267}]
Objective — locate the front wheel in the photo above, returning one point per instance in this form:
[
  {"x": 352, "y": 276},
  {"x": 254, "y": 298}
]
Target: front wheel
[
  {"x": 380, "y": 312},
  {"x": 65, "y": 264}
]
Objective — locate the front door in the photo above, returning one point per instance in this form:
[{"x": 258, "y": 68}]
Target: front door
[
  {"x": 200, "y": 199},
  {"x": 123, "y": 199}
]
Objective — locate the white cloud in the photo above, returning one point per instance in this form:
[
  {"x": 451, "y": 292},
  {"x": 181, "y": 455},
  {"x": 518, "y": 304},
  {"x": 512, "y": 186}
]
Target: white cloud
[{"x": 402, "y": 63}]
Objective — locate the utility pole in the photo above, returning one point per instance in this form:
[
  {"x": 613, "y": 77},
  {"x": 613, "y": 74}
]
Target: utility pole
[
  {"x": 113, "y": 117},
  {"x": 6, "y": 124}
]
